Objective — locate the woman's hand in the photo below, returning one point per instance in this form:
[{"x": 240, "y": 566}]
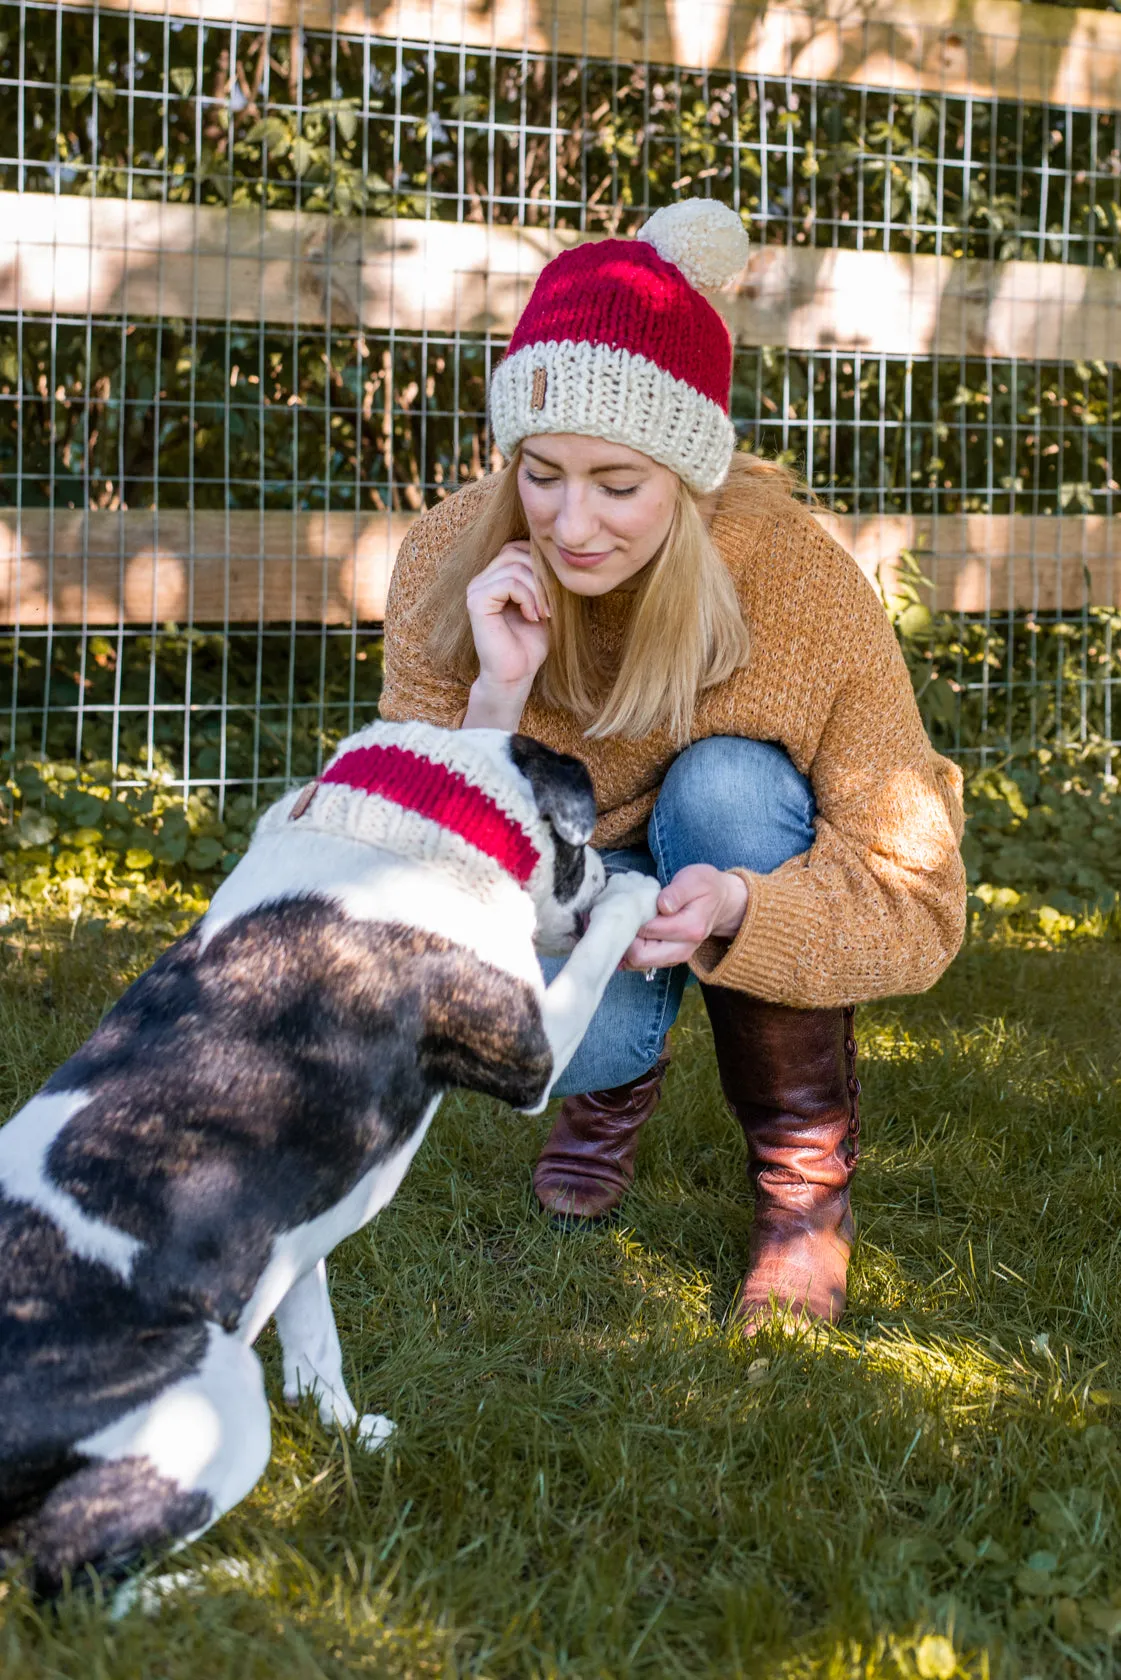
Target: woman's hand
[
  {"x": 509, "y": 618},
  {"x": 510, "y": 627},
  {"x": 698, "y": 903}
]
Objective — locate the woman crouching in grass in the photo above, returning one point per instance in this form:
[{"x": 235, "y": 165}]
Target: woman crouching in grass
[{"x": 631, "y": 590}]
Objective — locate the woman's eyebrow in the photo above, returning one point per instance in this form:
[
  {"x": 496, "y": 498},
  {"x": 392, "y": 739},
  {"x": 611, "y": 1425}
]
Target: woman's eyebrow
[{"x": 615, "y": 466}]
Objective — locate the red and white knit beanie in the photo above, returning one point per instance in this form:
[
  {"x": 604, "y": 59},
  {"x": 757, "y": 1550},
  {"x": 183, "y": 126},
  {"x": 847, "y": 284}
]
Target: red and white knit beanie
[{"x": 616, "y": 342}]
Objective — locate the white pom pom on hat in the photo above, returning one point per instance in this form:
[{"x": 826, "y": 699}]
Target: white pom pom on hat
[{"x": 706, "y": 240}]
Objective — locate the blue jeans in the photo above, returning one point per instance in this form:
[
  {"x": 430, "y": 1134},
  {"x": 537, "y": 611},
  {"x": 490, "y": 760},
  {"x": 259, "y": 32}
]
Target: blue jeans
[{"x": 725, "y": 801}]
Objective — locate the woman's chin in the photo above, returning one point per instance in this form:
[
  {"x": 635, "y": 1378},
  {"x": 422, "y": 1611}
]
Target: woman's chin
[
  {"x": 597, "y": 580},
  {"x": 591, "y": 582}
]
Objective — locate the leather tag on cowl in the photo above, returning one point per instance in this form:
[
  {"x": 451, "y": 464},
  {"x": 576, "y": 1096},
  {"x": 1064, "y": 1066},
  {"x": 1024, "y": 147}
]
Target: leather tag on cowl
[{"x": 303, "y": 801}]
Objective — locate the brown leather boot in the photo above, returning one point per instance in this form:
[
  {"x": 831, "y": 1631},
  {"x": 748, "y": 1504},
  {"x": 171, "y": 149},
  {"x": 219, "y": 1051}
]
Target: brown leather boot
[
  {"x": 587, "y": 1165},
  {"x": 789, "y": 1076}
]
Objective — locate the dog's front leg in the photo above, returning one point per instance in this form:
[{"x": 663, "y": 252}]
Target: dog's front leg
[
  {"x": 627, "y": 901},
  {"x": 313, "y": 1361}
]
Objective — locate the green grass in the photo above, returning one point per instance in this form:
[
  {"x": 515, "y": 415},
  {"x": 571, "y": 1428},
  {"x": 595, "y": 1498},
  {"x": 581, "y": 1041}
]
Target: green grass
[{"x": 592, "y": 1476}]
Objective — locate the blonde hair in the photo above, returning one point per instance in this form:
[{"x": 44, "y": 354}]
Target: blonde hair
[{"x": 686, "y": 631}]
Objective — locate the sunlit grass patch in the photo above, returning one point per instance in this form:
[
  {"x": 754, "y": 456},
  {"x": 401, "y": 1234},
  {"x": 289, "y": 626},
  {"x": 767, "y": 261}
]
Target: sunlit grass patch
[{"x": 593, "y": 1476}]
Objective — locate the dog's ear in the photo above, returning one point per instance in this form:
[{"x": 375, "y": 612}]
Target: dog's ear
[{"x": 561, "y": 786}]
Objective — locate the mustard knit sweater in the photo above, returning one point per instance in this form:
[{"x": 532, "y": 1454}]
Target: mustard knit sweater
[{"x": 877, "y": 905}]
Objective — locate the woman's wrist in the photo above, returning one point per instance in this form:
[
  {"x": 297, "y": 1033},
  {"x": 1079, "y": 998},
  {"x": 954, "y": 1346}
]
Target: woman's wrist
[
  {"x": 495, "y": 705},
  {"x": 734, "y": 910}
]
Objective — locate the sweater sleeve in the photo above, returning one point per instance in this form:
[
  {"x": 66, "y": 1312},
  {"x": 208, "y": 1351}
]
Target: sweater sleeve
[
  {"x": 876, "y": 907},
  {"x": 411, "y": 687}
]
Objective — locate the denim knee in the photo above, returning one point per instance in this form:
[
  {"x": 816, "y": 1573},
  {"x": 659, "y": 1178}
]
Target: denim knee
[{"x": 731, "y": 802}]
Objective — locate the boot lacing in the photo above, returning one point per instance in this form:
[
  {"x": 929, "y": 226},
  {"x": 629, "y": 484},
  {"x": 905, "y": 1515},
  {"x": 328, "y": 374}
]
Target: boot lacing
[{"x": 848, "y": 1016}]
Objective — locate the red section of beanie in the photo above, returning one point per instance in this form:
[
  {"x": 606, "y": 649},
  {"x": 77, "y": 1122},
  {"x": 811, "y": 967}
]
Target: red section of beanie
[
  {"x": 622, "y": 293},
  {"x": 443, "y": 796}
]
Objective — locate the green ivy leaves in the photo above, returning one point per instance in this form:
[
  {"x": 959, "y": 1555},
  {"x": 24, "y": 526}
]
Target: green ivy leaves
[
  {"x": 81, "y": 87},
  {"x": 33, "y": 828},
  {"x": 61, "y": 824},
  {"x": 319, "y": 146},
  {"x": 1042, "y": 845},
  {"x": 1044, "y": 841}
]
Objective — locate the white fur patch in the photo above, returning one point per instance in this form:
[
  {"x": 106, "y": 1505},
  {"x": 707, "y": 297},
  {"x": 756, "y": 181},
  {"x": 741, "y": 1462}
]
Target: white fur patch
[
  {"x": 628, "y": 900},
  {"x": 313, "y": 1361},
  {"x": 24, "y": 1145},
  {"x": 371, "y": 885},
  {"x": 207, "y": 1433}
]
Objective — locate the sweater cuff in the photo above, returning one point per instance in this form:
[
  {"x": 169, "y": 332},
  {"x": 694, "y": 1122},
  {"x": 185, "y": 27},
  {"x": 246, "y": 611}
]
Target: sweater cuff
[
  {"x": 765, "y": 969},
  {"x": 712, "y": 959}
]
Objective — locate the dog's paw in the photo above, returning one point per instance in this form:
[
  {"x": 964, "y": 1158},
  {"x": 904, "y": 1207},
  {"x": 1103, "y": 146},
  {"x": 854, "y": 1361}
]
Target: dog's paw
[
  {"x": 373, "y": 1431},
  {"x": 632, "y": 893},
  {"x": 150, "y": 1593}
]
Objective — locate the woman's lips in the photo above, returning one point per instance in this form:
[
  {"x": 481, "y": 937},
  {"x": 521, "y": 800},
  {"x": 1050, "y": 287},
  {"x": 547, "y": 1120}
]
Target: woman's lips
[{"x": 582, "y": 561}]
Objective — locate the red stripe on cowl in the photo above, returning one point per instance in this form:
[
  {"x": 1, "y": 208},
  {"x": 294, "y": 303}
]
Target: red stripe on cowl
[
  {"x": 622, "y": 293},
  {"x": 443, "y": 796}
]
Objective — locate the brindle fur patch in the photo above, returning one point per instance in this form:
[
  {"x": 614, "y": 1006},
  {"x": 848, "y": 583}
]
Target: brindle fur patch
[
  {"x": 106, "y": 1514},
  {"x": 78, "y": 1348},
  {"x": 257, "y": 1079}
]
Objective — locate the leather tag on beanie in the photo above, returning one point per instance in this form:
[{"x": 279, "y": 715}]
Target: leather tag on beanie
[{"x": 540, "y": 385}]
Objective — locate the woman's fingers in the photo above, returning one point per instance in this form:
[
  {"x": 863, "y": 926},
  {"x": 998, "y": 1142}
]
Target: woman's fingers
[
  {"x": 510, "y": 632},
  {"x": 517, "y": 557},
  {"x": 648, "y": 954},
  {"x": 492, "y": 590},
  {"x": 509, "y": 620},
  {"x": 499, "y": 572},
  {"x": 689, "y": 924},
  {"x": 500, "y": 592},
  {"x": 688, "y": 909},
  {"x": 512, "y": 561}
]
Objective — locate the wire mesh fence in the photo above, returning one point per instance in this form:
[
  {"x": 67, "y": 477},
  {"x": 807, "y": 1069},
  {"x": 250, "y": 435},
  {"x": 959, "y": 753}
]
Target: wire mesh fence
[
  {"x": 111, "y": 409},
  {"x": 159, "y": 107}
]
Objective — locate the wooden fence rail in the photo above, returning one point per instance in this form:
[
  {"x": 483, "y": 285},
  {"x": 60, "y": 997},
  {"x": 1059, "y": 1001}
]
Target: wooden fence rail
[
  {"x": 80, "y": 256},
  {"x": 64, "y": 567},
  {"x": 978, "y": 48}
]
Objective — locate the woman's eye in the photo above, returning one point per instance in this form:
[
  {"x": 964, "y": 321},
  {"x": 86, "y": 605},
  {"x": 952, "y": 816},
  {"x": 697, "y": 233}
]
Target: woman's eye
[
  {"x": 611, "y": 491},
  {"x": 532, "y": 478}
]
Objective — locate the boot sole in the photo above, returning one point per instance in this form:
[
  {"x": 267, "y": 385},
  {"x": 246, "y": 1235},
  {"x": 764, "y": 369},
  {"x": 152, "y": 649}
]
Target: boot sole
[{"x": 573, "y": 1222}]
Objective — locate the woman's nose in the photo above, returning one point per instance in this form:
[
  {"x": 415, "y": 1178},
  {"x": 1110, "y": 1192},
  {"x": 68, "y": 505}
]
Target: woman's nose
[{"x": 576, "y": 524}]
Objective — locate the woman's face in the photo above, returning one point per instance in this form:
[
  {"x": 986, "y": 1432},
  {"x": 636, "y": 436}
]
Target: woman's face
[{"x": 598, "y": 511}]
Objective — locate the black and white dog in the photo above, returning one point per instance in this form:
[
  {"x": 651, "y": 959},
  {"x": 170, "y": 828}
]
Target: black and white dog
[{"x": 256, "y": 1097}]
